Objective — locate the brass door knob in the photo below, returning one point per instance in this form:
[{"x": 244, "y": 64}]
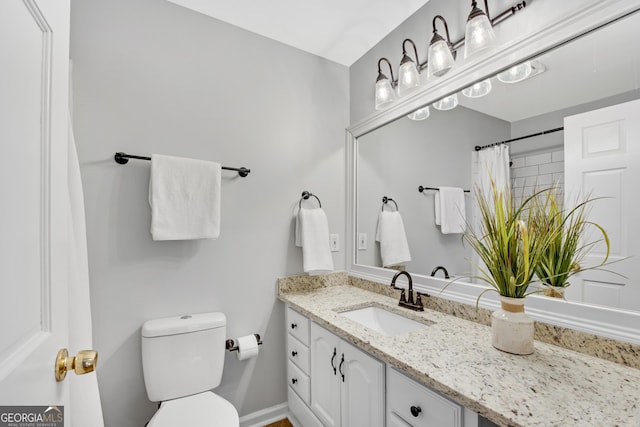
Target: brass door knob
[{"x": 84, "y": 362}]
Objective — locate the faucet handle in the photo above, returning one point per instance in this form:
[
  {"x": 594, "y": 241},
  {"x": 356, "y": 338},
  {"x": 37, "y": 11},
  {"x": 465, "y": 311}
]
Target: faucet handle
[
  {"x": 403, "y": 297},
  {"x": 418, "y": 299}
]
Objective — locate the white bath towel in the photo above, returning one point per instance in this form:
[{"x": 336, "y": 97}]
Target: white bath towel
[
  {"x": 394, "y": 248},
  {"x": 184, "y": 195},
  {"x": 452, "y": 210},
  {"x": 312, "y": 235}
]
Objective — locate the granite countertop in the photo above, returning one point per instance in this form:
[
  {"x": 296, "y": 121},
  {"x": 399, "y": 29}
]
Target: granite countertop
[{"x": 552, "y": 387}]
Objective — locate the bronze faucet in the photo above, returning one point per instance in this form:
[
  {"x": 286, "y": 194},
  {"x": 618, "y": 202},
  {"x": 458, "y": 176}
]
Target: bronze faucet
[
  {"x": 410, "y": 303},
  {"x": 435, "y": 270}
]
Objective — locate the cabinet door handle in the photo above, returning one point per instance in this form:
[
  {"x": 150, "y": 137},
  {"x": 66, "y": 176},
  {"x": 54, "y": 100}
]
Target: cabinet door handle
[
  {"x": 340, "y": 367},
  {"x": 415, "y": 410},
  {"x": 294, "y": 325},
  {"x": 295, "y": 380},
  {"x": 335, "y": 352},
  {"x": 294, "y": 353}
]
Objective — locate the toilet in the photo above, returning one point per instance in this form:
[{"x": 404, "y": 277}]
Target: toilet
[{"x": 182, "y": 360}]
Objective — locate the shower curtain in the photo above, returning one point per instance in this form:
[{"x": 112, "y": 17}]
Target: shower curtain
[
  {"x": 86, "y": 409},
  {"x": 493, "y": 164}
]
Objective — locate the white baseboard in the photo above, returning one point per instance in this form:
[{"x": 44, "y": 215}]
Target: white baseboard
[{"x": 265, "y": 416}]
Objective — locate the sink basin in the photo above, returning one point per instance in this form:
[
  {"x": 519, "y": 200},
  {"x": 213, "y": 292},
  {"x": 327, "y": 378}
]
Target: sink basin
[{"x": 383, "y": 321}]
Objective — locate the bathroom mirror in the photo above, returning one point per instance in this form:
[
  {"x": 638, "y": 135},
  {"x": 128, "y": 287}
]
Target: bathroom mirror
[{"x": 393, "y": 155}]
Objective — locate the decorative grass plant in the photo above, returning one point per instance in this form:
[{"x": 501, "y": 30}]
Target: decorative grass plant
[
  {"x": 565, "y": 252},
  {"x": 509, "y": 248}
]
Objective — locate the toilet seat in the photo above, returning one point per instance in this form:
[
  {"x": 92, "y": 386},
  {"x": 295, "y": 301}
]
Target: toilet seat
[{"x": 200, "y": 410}]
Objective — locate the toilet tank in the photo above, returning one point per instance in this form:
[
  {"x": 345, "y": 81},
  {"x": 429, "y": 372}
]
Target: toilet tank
[{"x": 183, "y": 355}]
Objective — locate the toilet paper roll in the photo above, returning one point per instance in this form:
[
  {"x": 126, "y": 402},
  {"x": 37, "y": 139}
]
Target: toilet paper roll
[{"x": 247, "y": 347}]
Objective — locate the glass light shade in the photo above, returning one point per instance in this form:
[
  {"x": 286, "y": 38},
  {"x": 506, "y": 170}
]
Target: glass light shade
[
  {"x": 478, "y": 35},
  {"x": 440, "y": 58},
  {"x": 516, "y": 73},
  {"x": 421, "y": 114},
  {"x": 409, "y": 78},
  {"x": 447, "y": 103},
  {"x": 385, "y": 94},
  {"x": 478, "y": 90}
]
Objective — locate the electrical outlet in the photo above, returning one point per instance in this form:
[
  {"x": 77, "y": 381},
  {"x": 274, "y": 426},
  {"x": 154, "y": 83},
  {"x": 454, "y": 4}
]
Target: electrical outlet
[
  {"x": 362, "y": 242},
  {"x": 334, "y": 242}
]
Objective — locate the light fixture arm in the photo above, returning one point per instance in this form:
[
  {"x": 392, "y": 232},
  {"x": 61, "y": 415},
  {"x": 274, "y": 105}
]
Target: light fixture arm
[
  {"x": 381, "y": 74},
  {"x": 506, "y": 13},
  {"x": 437, "y": 36},
  {"x": 404, "y": 50}
]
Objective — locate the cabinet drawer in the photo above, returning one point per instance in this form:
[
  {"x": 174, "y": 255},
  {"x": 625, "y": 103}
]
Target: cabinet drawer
[
  {"x": 298, "y": 353},
  {"x": 430, "y": 408},
  {"x": 301, "y": 412},
  {"x": 298, "y": 381},
  {"x": 298, "y": 325}
]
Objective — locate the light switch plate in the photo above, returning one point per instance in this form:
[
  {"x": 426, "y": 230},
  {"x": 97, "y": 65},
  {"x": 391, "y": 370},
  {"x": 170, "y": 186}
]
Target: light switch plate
[
  {"x": 362, "y": 242},
  {"x": 334, "y": 242}
]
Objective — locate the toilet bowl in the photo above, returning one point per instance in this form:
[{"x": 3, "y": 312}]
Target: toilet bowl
[
  {"x": 182, "y": 360},
  {"x": 202, "y": 409}
]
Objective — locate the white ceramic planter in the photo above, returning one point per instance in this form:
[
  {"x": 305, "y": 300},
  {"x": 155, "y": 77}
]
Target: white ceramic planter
[{"x": 511, "y": 328}]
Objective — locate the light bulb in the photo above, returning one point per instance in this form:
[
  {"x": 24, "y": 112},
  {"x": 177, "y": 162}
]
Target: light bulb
[
  {"x": 409, "y": 78},
  {"x": 478, "y": 35},
  {"x": 440, "y": 59},
  {"x": 478, "y": 90},
  {"x": 421, "y": 114},
  {"x": 516, "y": 74},
  {"x": 384, "y": 93},
  {"x": 447, "y": 103}
]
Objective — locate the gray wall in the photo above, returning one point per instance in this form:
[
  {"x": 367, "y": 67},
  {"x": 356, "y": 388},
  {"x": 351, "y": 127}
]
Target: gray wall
[
  {"x": 151, "y": 77},
  {"x": 397, "y": 158}
]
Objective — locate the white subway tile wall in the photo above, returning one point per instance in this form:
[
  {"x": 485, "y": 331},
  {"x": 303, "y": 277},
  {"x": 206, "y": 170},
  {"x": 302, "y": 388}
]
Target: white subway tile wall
[{"x": 536, "y": 171}]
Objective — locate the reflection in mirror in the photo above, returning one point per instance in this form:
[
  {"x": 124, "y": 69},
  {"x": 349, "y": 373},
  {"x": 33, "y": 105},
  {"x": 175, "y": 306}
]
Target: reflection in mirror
[{"x": 585, "y": 75}]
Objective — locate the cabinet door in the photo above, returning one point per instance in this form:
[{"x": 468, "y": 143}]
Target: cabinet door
[
  {"x": 362, "y": 394},
  {"x": 325, "y": 385}
]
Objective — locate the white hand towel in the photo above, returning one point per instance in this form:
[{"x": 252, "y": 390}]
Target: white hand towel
[
  {"x": 394, "y": 248},
  {"x": 312, "y": 234},
  {"x": 452, "y": 210},
  {"x": 184, "y": 195}
]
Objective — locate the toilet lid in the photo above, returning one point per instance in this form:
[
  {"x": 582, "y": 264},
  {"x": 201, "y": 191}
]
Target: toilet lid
[{"x": 200, "y": 410}]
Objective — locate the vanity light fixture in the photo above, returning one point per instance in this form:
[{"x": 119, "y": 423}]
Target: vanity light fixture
[
  {"x": 478, "y": 34},
  {"x": 420, "y": 114},
  {"x": 385, "y": 94},
  {"x": 408, "y": 75},
  {"x": 447, "y": 103},
  {"x": 441, "y": 56},
  {"x": 520, "y": 72},
  {"x": 478, "y": 90}
]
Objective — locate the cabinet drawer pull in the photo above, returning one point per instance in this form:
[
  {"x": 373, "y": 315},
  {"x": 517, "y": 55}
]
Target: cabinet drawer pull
[
  {"x": 294, "y": 353},
  {"x": 415, "y": 410},
  {"x": 340, "y": 367},
  {"x": 294, "y": 325},
  {"x": 294, "y": 380},
  {"x": 335, "y": 352}
]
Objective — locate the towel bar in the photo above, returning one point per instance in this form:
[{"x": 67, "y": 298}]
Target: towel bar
[
  {"x": 123, "y": 158},
  {"x": 421, "y": 189}
]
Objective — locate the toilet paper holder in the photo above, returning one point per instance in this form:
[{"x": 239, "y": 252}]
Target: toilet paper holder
[{"x": 231, "y": 344}]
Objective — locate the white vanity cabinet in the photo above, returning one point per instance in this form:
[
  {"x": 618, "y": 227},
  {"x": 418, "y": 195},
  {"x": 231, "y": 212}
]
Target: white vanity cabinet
[
  {"x": 298, "y": 370},
  {"x": 347, "y": 386},
  {"x": 411, "y": 404}
]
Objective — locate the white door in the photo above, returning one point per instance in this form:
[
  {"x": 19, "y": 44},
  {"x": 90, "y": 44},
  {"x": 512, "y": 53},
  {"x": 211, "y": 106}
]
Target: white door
[
  {"x": 325, "y": 384},
  {"x": 34, "y": 48},
  {"x": 602, "y": 156},
  {"x": 362, "y": 393}
]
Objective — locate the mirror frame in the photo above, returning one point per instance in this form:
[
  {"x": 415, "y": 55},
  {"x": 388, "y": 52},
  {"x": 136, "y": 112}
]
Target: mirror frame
[{"x": 621, "y": 325}]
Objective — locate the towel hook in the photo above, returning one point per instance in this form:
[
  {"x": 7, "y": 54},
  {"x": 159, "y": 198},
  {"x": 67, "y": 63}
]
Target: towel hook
[
  {"x": 386, "y": 199},
  {"x": 305, "y": 196}
]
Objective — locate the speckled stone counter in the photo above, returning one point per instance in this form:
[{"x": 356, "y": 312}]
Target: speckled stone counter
[{"x": 552, "y": 387}]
